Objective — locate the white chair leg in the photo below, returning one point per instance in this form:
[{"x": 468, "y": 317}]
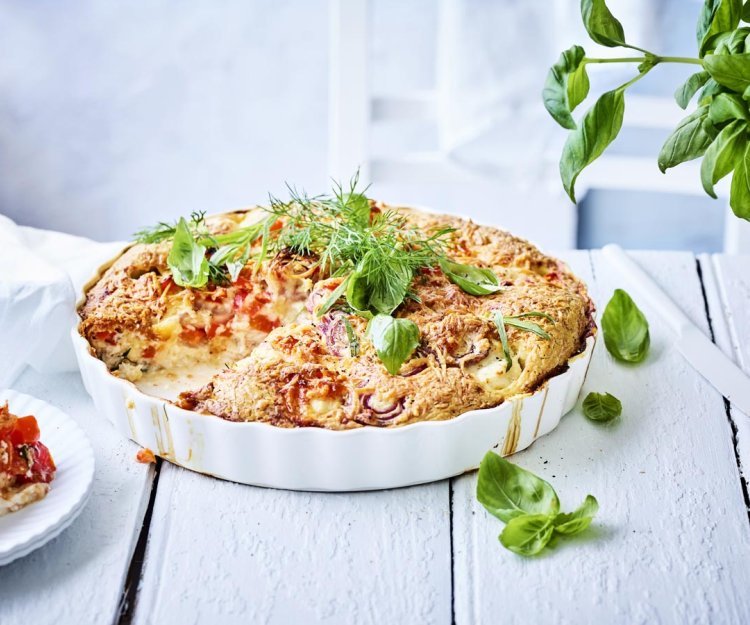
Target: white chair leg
[
  {"x": 736, "y": 234},
  {"x": 349, "y": 102}
]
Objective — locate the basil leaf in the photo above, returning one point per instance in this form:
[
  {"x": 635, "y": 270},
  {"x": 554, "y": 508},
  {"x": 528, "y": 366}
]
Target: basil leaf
[
  {"x": 389, "y": 289},
  {"x": 357, "y": 291},
  {"x": 601, "y": 407},
  {"x": 566, "y": 86},
  {"x": 739, "y": 193},
  {"x": 600, "y": 24},
  {"x": 711, "y": 89},
  {"x": 599, "y": 127},
  {"x": 472, "y": 280},
  {"x": 528, "y": 326},
  {"x": 717, "y": 16},
  {"x": 732, "y": 71},
  {"x": 394, "y": 339},
  {"x": 500, "y": 324},
  {"x": 723, "y": 154},
  {"x": 746, "y": 11},
  {"x": 726, "y": 106},
  {"x": 570, "y": 523},
  {"x": 625, "y": 329},
  {"x": 508, "y": 491},
  {"x": 690, "y": 87},
  {"x": 187, "y": 259},
  {"x": 578, "y": 85},
  {"x": 527, "y": 535},
  {"x": 688, "y": 141}
]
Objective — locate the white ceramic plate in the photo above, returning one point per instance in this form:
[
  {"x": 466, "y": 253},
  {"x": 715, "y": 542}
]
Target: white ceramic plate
[{"x": 31, "y": 527}]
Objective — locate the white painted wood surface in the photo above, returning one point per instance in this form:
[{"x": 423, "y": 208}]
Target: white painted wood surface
[
  {"x": 671, "y": 543},
  {"x": 269, "y": 556},
  {"x": 728, "y": 294},
  {"x": 78, "y": 577}
]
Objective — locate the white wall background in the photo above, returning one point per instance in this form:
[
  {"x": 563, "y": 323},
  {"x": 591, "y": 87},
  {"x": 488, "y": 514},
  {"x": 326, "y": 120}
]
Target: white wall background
[{"x": 115, "y": 115}]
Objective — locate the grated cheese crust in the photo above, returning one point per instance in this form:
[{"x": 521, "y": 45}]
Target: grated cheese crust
[{"x": 264, "y": 356}]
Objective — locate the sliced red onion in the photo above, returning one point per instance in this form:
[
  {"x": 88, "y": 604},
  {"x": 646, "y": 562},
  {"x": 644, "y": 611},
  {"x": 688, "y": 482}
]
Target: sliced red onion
[
  {"x": 332, "y": 328},
  {"x": 313, "y": 300},
  {"x": 475, "y": 355},
  {"x": 383, "y": 412},
  {"x": 415, "y": 370}
]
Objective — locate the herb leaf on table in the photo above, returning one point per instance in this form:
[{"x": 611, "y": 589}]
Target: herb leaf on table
[
  {"x": 625, "y": 329},
  {"x": 528, "y": 505},
  {"x": 527, "y": 535},
  {"x": 601, "y": 407},
  {"x": 570, "y": 523},
  {"x": 507, "y": 491}
]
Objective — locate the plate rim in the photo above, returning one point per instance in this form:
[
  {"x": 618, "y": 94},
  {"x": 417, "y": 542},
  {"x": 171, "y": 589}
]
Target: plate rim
[{"x": 30, "y": 542}]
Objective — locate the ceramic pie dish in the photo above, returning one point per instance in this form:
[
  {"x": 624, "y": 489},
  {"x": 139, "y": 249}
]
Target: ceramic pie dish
[{"x": 241, "y": 426}]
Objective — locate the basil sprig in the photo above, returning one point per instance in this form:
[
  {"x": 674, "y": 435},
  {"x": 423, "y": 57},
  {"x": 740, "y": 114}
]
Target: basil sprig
[
  {"x": 601, "y": 407},
  {"x": 472, "y": 280},
  {"x": 625, "y": 329},
  {"x": 187, "y": 258},
  {"x": 717, "y": 130},
  {"x": 528, "y": 505},
  {"x": 516, "y": 321},
  {"x": 394, "y": 340}
]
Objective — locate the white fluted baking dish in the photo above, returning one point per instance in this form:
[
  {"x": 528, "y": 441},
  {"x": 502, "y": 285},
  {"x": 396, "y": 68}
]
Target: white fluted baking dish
[
  {"x": 316, "y": 459},
  {"x": 328, "y": 460}
]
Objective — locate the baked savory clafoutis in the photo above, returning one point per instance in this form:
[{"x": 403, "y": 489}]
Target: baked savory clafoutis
[
  {"x": 337, "y": 312},
  {"x": 26, "y": 466}
]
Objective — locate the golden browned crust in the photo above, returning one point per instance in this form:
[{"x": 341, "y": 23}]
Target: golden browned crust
[{"x": 304, "y": 374}]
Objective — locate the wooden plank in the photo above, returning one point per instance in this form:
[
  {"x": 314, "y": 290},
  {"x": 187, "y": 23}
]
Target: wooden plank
[
  {"x": 229, "y": 553},
  {"x": 728, "y": 294},
  {"x": 671, "y": 542},
  {"x": 79, "y": 576}
]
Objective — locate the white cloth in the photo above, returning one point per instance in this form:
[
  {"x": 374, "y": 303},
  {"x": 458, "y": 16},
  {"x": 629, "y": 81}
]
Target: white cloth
[{"x": 40, "y": 274}]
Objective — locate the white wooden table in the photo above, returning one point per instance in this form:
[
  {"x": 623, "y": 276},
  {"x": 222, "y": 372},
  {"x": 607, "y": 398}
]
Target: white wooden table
[{"x": 671, "y": 543}]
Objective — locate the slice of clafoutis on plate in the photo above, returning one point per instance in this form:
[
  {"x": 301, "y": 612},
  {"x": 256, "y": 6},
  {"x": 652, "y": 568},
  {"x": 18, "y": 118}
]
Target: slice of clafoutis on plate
[{"x": 26, "y": 465}]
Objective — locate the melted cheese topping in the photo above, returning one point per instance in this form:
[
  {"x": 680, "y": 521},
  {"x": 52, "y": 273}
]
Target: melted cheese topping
[
  {"x": 491, "y": 372},
  {"x": 245, "y": 352}
]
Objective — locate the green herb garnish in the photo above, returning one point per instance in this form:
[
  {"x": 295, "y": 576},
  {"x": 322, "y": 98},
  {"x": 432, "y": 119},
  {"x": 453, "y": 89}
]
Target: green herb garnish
[
  {"x": 187, "y": 258},
  {"x": 601, "y": 407},
  {"x": 376, "y": 253},
  {"x": 516, "y": 321},
  {"x": 528, "y": 505},
  {"x": 473, "y": 280},
  {"x": 716, "y": 130},
  {"x": 625, "y": 329},
  {"x": 394, "y": 339}
]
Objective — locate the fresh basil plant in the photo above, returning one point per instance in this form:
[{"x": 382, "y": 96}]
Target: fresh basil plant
[
  {"x": 717, "y": 130},
  {"x": 528, "y": 505}
]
